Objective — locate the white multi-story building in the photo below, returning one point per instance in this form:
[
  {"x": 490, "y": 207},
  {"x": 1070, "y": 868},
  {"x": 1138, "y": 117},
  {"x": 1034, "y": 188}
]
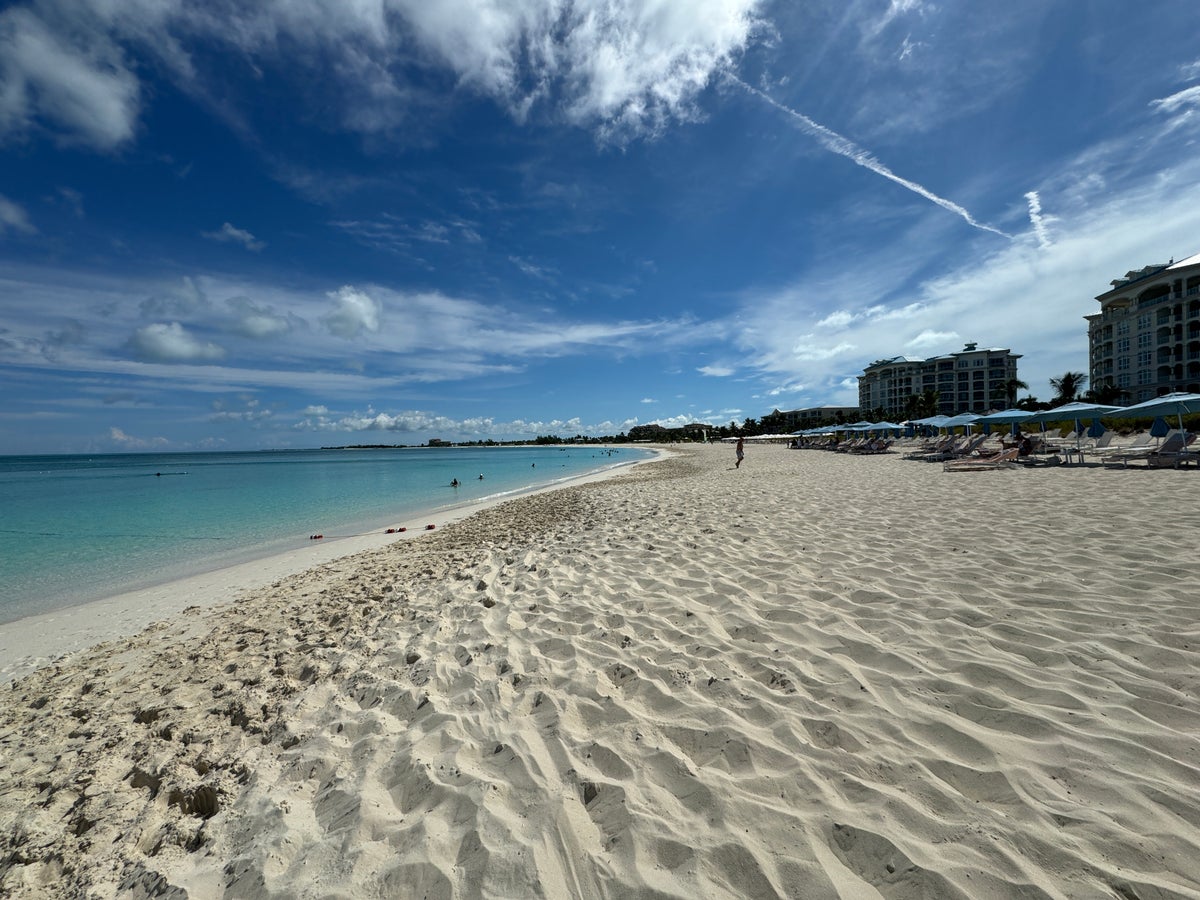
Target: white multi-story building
[
  {"x": 972, "y": 380},
  {"x": 1146, "y": 338}
]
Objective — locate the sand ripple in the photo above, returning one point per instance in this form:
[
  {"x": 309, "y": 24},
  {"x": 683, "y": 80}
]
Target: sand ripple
[{"x": 816, "y": 676}]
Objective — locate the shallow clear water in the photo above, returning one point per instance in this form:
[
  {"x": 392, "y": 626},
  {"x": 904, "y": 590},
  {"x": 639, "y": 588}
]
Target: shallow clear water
[{"x": 78, "y": 528}]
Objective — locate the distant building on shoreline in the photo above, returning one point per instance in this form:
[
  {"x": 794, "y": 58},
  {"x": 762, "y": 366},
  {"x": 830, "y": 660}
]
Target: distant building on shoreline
[
  {"x": 797, "y": 419},
  {"x": 1146, "y": 338},
  {"x": 972, "y": 380}
]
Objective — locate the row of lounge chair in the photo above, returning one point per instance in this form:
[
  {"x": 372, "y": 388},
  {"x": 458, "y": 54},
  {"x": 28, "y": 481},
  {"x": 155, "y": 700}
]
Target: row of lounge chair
[{"x": 967, "y": 453}]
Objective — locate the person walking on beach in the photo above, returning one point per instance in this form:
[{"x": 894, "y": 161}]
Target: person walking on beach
[{"x": 741, "y": 453}]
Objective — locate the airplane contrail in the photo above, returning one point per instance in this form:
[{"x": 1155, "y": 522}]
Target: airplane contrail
[
  {"x": 835, "y": 143},
  {"x": 1036, "y": 220}
]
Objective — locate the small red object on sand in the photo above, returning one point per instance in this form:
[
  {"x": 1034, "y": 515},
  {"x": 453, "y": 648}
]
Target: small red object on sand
[{"x": 430, "y": 527}]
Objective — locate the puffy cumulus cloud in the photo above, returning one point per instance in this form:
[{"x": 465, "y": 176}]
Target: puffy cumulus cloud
[
  {"x": 354, "y": 312},
  {"x": 171, "y": 343},
  {"x": 229, "y": 234},
  {"x": 677, "y": 421},
  {"x": 635, "y": 65},
  {"x": 256, "y": 321},
  {"x": 71, "y": 80},
  {"x": 14, "y": 217},
  {"x": 129, "y": 442},
  {"x": 421, "y": 425},
  {"x": 625, "y": 68}
]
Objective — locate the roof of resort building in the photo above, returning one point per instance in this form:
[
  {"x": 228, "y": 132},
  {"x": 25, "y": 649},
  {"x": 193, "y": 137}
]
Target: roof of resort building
[
  {"x": 1135, "y": 275},
  {"x": 1184, "y": 263}
]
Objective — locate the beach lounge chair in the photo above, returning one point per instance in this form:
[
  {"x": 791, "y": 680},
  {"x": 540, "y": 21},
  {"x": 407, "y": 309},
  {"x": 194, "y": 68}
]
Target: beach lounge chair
[
  {"x": 928, "y": 447},
  {"x": 1091, "y": 446},
  {"x": 1173, "y": 457},
  {"x": 1140, "y": 443},
  {"x": 1174, "y": 442},
  {"x": 1005, "y": 460},
  {"x": 958, "y": 448}
]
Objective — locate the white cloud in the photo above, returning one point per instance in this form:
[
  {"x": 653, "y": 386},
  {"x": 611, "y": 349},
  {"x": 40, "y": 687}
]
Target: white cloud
[
  {"x": 932, "y": 340},
  {"x": 625, "y": 68},
  {"x": 14, "y": 217},
  {"x": 808, "y": 350},
  {"x": 427, "y": 424},
  {"x": 354, "y": 312},
  {"x": 84, "y": 92},
  {"x": 171, "y": 343},
  {"x": 256, "y": 321},
  {"x": 1181, "y": 107},
  {"x": 839, "y": 319},
  {"x": 229, "y": 234},
  {"x": 129, "y": 442}
]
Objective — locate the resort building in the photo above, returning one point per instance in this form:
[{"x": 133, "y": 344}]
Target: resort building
[
  {"x": 972, "y": 380},
  {"x": 1146, "y": 338},
  {"x": 797, "y": 419}
]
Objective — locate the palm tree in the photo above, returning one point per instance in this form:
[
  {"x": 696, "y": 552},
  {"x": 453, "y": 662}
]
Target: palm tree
[
  {"x": 1108, "y": 394},
  {"x": 1067, "y": 387},
  {"x": 923, "y": 405},
  {"x": 1007, "y": 390}
]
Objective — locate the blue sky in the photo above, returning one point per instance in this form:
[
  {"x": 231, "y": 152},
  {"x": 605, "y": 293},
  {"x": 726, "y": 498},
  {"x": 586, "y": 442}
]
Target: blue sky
[{"x": 292, "y": 223}]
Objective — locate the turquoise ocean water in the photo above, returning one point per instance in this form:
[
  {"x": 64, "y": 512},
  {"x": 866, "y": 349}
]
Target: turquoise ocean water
[{"x": 78, "y": 528}]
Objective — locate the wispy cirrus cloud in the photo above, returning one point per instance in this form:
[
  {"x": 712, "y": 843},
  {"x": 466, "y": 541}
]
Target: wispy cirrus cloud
[
  {"x": 230, "y": 234},
  {"x": 14, "y": 218}
]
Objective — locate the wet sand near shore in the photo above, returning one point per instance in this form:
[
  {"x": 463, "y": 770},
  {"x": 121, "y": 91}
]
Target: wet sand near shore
[{"x": 817, "y": 675}]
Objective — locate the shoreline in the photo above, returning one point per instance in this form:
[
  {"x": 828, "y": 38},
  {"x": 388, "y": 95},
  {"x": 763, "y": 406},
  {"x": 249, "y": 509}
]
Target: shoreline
[
  {"x": 818, "y": 674},
  {"x": 31, "y": 642}
]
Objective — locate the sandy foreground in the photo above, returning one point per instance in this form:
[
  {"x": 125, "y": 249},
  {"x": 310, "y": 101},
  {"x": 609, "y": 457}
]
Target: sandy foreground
[{"x": 819, "y": 676}]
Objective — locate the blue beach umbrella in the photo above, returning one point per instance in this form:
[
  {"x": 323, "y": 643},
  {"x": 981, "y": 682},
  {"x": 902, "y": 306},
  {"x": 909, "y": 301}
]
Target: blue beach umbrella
[
  {"x": 967, "y": 419},
  {"x": 1075, "y": 412},
  {"x": 1097, "y": 428},
  {"x": 1159, "y": 427},
  {"x": 1005, "y": 417},
  {"x": 1178, "y": 404}
]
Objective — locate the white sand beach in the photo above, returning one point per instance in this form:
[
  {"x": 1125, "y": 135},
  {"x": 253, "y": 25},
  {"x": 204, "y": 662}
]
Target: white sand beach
[{"x": 818, "y": 676}]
